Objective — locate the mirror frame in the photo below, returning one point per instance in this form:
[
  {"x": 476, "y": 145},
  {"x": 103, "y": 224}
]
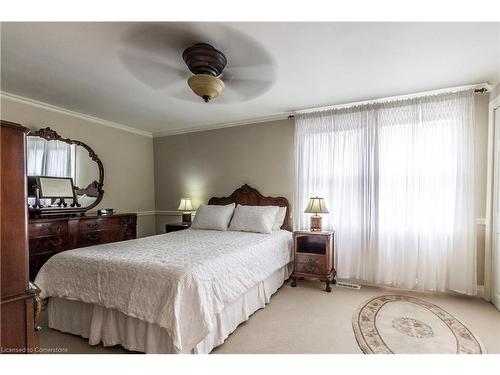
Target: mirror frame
[{"x": 51, "y": 135}]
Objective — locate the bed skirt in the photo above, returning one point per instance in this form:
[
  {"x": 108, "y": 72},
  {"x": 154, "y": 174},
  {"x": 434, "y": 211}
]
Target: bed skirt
[{"x": 112, "y": 327}]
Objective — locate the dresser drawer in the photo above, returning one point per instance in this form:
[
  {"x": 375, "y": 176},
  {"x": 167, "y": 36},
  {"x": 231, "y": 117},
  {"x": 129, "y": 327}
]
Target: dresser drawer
[
  {"x": 106, "y": 223},
  {"x": 312, "y": 268},
  {"x": 96, "y": 224},
  {"x": 130, "y": 232},
  {"x": 50, "y": 236},
  {"x": 127, "y": 220},
  {"x": 47, "y": 244},
  {"x": 106, "y": 236},
  {"x": 47, "y": 229},
  {"x": 96, "y": 237}
]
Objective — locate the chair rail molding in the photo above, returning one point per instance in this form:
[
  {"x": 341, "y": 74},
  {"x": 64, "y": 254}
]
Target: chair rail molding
[{"x": 160, "y": 213}]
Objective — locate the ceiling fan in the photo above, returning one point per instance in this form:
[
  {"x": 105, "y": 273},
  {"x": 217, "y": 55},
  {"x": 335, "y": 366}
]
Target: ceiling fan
[
  {"x": 157, "y": 55},
  {"x": 206, "y": 63}
]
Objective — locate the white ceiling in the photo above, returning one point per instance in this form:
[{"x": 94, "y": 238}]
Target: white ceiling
[{"x": 133, "y": 73}]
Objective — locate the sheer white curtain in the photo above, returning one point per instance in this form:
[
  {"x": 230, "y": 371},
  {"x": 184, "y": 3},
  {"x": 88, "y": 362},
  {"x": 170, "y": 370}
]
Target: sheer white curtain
[
  {"x": 50, "y": 158},
  {"x": 398, "y": 181}
]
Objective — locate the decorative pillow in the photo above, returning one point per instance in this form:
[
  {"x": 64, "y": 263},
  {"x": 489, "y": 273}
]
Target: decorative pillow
[
  {"x": 280, "y": 218},
  {"x": 258, "y": 219},
  {"x": 213, "y": 217}
]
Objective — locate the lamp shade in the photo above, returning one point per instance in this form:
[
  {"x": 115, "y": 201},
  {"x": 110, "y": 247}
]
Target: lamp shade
[
  {"x": 185, "y": 205},
  {"x": 316, "y": 206},
  {"x": 206, "y": 86}
]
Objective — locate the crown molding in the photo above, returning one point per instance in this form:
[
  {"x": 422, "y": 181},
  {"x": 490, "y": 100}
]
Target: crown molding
[
  {"x": 97, "y": 120},
  {"x": 221, "y": 125},
  {"x": 53, "y": 108},
  {"x": 485, "y": 85}
]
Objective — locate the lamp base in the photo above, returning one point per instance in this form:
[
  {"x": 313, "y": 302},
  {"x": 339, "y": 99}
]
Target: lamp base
[
  {"x": 315, "y": 223},
  {"x": 186, "y": 217}
]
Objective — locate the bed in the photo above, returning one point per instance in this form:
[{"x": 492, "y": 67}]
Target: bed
[{"x": 181, "y": 292}]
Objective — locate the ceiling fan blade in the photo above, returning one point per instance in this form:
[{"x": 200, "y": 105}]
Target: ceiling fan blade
[
  {"x": 249, "y": 81},
  {"x": 151, "y": 70},
  {"x": 262, "y": 72},
  {"x": 165, "y": 39},
  {"x": 241, "y": 49},
  {"x": 248, "y": 89}
]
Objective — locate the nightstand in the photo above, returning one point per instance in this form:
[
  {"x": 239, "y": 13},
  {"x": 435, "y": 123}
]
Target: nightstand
[
  {"x": 174, "y": 227},
  {"x": 314, "y": 254}
]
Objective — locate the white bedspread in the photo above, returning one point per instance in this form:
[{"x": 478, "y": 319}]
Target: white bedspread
[{"x": 178, "y": 280}]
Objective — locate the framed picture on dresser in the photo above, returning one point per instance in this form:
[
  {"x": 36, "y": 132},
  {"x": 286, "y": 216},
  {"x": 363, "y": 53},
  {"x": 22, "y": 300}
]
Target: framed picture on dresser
[{"x": 55, "y": 187}]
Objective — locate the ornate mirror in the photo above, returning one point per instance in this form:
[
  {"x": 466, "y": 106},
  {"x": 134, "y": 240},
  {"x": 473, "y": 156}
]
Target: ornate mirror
[{"x": 50, "y": 155}]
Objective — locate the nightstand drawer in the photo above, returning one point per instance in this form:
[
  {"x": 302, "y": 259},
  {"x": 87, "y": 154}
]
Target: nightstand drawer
[
  {"x": 312, "y": 268},
  {"x": 310, "y": 258}
]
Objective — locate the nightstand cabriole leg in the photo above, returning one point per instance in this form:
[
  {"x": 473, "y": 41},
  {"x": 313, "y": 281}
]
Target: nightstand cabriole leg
[
  {"x": 294, "y": 281},
  {"x": 328, "y": 287}
]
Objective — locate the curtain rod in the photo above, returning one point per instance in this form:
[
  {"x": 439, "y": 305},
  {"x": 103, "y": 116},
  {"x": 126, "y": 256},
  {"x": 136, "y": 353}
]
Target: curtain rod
[{"x": 478, "y": 89}]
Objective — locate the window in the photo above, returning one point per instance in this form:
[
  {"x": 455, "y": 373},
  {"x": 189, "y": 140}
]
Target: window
[{"x": 397, "y": 179}]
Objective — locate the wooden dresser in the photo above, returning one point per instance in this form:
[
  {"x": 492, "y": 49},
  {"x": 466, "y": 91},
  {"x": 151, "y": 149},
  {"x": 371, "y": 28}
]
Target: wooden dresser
[
  {"x": 20, "y": 305},
  {"x": 50, "y": 236}
]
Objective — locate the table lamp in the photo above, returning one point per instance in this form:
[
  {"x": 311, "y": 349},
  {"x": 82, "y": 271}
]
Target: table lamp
[
  {"x": 186, "y": 207},
  {"x": 316, "y": 206}
]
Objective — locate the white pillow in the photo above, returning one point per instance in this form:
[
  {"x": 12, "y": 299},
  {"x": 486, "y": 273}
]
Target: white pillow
[
  {"x": 213, "y": 217},
  {"x": 258, "y": 219},
  {"x": 280, "y": 218}
]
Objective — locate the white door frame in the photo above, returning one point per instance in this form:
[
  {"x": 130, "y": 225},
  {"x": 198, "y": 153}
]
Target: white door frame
[{"x": 490, "y": 200}]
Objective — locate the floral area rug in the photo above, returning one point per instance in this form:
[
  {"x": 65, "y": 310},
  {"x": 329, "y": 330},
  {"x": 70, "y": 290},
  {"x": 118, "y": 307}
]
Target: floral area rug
[{"x": 398, "y": 324}]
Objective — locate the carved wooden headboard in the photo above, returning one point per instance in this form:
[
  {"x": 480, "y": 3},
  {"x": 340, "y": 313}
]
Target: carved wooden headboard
[{"x": 249, "y": 196}]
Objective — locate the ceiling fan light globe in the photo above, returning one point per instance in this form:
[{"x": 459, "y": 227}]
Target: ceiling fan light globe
[{"x": 206, "y": 86}]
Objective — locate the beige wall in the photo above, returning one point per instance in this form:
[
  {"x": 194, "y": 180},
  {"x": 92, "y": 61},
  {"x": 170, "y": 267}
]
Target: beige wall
[
  {"x": 495, "y": 92},
  {"x": 127, "y": 157},
  {"x": 214, "y": 163}
]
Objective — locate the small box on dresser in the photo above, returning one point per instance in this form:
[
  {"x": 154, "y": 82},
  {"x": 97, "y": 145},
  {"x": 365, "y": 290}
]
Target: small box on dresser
[{"x": 314, "y": 256}]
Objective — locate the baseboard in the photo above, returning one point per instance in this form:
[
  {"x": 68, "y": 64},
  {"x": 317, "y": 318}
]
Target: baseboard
[{"x": 362, "y": 283}]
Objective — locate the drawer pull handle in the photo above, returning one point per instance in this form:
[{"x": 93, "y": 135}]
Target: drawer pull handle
[
  {"x": 93, "y": 226},
  {"x": 53, "y": 229},
  {"x": 55, "y": 243},
  {"x": 93, "y": 236},
  {"x": 310, "y": 268}
]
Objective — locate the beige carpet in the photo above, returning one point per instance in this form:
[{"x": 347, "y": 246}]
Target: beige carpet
[{"x": 306, "y": 319}]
